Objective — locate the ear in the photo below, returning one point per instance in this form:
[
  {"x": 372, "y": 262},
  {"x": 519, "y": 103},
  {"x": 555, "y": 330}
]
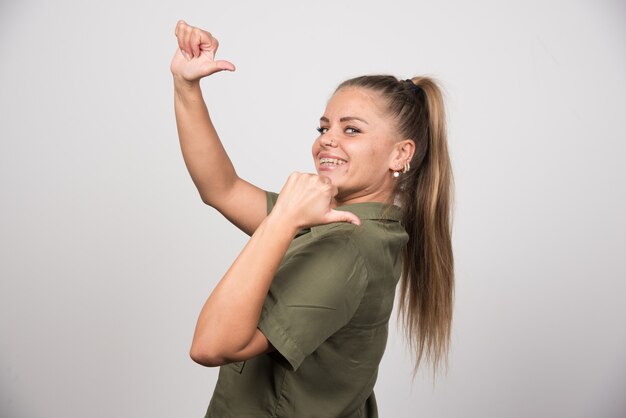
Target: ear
[{"x": 402, "y": 153}]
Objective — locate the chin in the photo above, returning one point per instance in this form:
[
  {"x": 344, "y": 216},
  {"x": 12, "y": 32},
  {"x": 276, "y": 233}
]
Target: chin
[{"x": 335, "y": 177}]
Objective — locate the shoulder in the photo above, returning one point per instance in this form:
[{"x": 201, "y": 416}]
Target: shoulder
[
  {"x": 323, "y": 266},
  {"x": 335, "y": 241},
  {"x": 376, "y": 245},
  {"x": 362, "y": 238}
]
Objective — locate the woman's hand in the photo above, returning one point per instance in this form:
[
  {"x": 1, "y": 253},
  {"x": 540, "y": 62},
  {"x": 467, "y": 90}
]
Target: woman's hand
[
  {"x": 195, "y": 56},
  {"x": 305, "y": 201}
]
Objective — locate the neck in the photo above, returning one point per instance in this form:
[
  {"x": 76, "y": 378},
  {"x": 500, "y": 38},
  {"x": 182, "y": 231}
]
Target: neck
[{"x": 380, "y": 197}]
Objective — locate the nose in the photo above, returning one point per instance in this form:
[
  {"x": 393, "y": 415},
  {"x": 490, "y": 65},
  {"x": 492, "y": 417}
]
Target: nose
[{"x": 328, "y": 141}]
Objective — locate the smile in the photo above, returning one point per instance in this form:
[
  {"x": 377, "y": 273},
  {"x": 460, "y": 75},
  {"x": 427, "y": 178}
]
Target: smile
[{"x": 331, "y": 162}]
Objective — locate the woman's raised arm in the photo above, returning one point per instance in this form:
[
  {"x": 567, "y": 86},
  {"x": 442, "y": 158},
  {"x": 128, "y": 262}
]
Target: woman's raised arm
[{"x": 206, "y": 159}]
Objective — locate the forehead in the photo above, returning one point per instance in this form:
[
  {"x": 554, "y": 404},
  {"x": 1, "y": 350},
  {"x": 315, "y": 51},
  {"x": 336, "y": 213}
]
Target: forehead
[{"x": 355, "y": 101}]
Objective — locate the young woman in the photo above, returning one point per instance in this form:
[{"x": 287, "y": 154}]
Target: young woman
[{"x": 299, "y": 322}]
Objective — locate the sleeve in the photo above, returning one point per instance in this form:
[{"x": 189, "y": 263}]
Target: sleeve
[
  {"x": 271, "y": 198},
  {"x": 314, "y": 293}
]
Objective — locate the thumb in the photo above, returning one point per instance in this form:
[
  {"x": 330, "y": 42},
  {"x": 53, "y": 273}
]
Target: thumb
[
  {"x": 225, "y": 65},
  {"x": 343, "y": 216}
]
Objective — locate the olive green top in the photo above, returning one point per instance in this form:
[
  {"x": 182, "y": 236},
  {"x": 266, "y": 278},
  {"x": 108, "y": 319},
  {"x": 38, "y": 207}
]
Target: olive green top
[{"x": 326, "y": 313}]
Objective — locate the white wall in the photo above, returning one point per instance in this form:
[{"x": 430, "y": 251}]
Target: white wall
[{"x": 107, "y": 252}]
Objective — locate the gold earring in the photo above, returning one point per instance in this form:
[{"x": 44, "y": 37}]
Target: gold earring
[{"x": 406, "y": 168}]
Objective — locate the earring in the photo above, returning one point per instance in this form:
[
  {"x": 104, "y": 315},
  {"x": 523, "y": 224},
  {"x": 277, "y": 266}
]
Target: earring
[
  {"x": 405, "y": 169},
  {"x": 396, "y": 173}
]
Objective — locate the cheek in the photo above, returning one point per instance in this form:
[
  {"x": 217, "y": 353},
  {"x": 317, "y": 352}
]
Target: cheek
[
  {"x": 375, "y": 156},
  {"x": 377, "y": 160},
  {"x": 315, "y": 148}
]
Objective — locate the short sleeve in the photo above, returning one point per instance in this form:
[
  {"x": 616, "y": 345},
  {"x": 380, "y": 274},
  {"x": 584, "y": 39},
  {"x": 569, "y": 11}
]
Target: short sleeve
[
  {"x": 271, "y": 198},
  {"x": 314, "y": 293}
]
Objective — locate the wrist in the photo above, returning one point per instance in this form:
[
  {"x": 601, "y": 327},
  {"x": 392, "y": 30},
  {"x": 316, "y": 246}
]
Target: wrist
[
  {"x": 187, "y": 92},
  {"x": 182, "y": 85},
  {"x": 281, "y": 226}
]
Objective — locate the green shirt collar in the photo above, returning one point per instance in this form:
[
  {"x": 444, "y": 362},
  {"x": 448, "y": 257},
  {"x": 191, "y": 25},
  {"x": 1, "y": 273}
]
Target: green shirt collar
[
  {"x": 373, "y": 210},
  {"x": 365, "y": 211}
]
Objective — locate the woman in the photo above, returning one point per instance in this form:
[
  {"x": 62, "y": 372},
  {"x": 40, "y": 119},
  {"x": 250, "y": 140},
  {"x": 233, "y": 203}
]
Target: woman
[{"x": 298, "y": 323}]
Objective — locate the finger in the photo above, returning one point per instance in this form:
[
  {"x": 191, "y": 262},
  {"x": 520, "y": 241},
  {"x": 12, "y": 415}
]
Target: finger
[
  {"x": 294, "y": 176},
  {"x": 188, "y": 48},
  {"x": 181, "y": 23},
  {"x": 194, "y": 44},
  {"x": 182, "y": 30},
  {"x": 325, "y": 180},
  {"x": 202, "y": 42},
  {"x": 225, "y": 65},
  {"x": 180, "y": 38},
  {"x": 343, "y": 216},
  {"x": 216, "y": 44},
  {"x": 198, "y": 39}
]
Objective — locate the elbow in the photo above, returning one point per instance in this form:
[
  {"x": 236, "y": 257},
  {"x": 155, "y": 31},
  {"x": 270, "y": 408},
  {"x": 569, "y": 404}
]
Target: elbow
[
  {"x": 219, "y": 191},
  {"x": 207, "y": 200},
  {"x": 205, "y": 356}
]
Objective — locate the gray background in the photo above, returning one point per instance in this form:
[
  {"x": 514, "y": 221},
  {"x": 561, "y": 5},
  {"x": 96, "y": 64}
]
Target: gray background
[{"x": 107, "y": 252}]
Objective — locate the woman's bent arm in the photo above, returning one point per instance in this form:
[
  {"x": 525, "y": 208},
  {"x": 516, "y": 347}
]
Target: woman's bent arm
[{"x": 227, "y": 326}]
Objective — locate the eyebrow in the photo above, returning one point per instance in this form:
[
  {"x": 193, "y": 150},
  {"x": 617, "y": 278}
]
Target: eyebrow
[{"x": 344, "y": 119}]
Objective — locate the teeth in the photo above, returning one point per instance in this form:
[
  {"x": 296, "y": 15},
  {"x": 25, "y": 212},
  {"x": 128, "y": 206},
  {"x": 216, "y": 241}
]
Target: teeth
[{"x": 331, "y": 161}]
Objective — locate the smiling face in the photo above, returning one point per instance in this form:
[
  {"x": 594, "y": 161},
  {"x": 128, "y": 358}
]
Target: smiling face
[{"x": 359, "y": 147}]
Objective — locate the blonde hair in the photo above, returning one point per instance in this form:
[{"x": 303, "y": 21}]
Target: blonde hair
[{"x": 425, "y": 194}]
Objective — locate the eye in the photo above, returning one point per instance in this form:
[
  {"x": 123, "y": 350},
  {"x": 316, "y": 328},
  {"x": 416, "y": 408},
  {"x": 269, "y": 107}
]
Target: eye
[
  {"x": 321, "y": 130},
  {"x": 351, "y": 131}
]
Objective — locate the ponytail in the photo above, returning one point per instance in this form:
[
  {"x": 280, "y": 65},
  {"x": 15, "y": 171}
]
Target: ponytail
[
  {"x": 427, "y": 284},
  {"x": 425, "y": 196}
]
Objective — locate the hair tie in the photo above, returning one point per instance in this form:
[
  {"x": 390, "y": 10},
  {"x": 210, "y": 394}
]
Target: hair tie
[{"x": 417, "y": 89}]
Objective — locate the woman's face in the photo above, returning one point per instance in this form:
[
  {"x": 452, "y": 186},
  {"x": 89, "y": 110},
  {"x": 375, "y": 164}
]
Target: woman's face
[{"x": 358, "y": 147}]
